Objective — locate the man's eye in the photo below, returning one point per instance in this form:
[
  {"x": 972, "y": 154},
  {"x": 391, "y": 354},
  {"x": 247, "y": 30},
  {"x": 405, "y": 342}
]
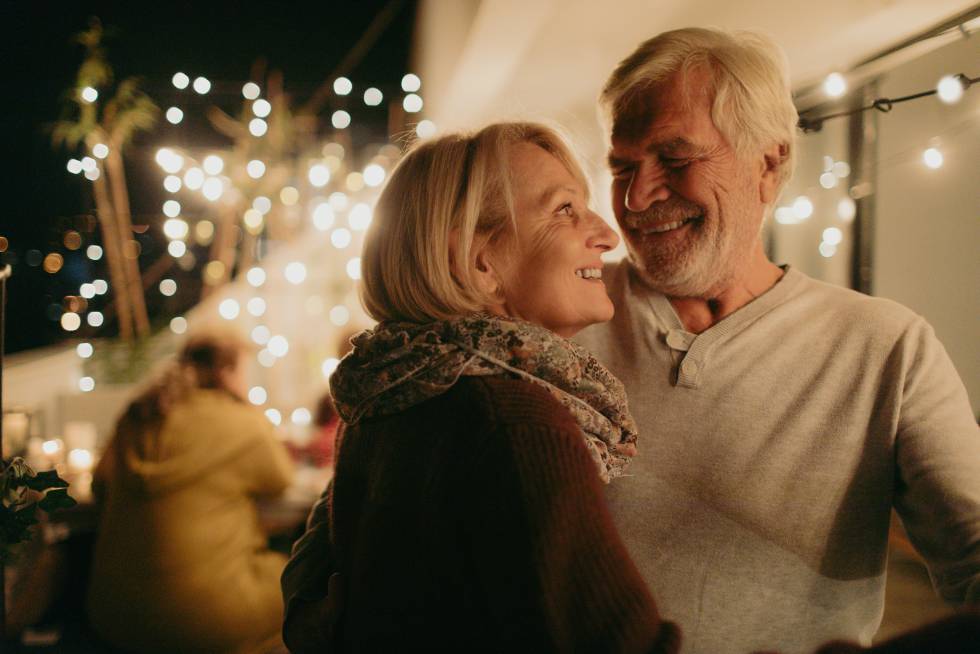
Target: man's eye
[
  {"x": 566, "y": 209},
  {"x": 676, "y": 163}
]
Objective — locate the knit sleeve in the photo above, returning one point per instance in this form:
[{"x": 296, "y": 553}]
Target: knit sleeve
[
  {"x": 938, "y": 457},
  {"x": 556, "y": 575}
]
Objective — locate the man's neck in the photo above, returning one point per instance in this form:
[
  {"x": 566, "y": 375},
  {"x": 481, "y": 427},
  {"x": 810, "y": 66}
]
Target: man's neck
[{"x": 697, "y": 314}]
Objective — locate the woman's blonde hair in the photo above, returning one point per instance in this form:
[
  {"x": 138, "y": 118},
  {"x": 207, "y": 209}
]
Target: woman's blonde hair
[
  {"x": 445, "y": 198},
  {"x": 752, "y": 101}
]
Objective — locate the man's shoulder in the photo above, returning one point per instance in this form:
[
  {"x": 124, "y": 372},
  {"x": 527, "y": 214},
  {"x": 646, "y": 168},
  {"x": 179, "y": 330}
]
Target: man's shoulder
[{"x": 851, "y": 308}]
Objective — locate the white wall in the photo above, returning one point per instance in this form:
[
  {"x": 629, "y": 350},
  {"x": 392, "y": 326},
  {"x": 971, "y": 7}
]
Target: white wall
[{"x": 927, "y": 228}]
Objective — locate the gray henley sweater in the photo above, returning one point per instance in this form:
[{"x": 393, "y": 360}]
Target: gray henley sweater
[{"x": 772, "y": 449}]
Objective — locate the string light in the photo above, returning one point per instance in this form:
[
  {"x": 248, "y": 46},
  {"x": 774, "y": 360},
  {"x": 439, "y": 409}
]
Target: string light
[
  {"x": 229, "y": 309},
  {"x": 194, "y": 178},
  {"x": 412, "y": 103},
  {"x": 411, "y": 83},
  {"x": 212, "y": 188},
  {"x": 359, "y": 217},
  {"x": 74, "y": 166},
  {"x": 257, "y": 127},
  {"x": 168, "y": 287},
  {"x": 274, "y": 416},
  {"x": 93, "y": 252},
  {"x": 171, "y": 208},
  {"x": 70, "y": 321},
  {"x": 846, "y": 209},
  {"x": 262, "y": 204},
  {"x": 95, "y": 319},
  {"x": 255, "y": 276},
  {"x": 833, "y": 235},
  {"x": 354, "y": 268},
  {"x": 172, "y": 183},
  {"x": 319, "y": 175},
  {"x": 175, "y": 229},
  {"x": 301, "y": 417},
  {"x": 339, "y": 315},
  {"x": 84, "y": 350},
  {"x": 86, "y": 384},
  {"x": 256, "y": 307},
  {"x": 278, "y": 346},
  {"x": 89, "y": 95},
  {"x": 101, "y": 286},
  {"x": 213, "y": 164},
  {"x": 340, "y": 119},
  {"x": 178, "y": 325},
  {"x": 933, "y": 158},
  {"x": 834, "y": 85},
  {"x": 100, "y": 150},
  {"x": 802, "y": 207},
  {"x": 950, "y": 89},
  {"x": 180, "y": 80},
  {"x": 251, "y": 90},
  {"x": 323, "y": 216},
  {"x": 176, "y": 249},
  {"x": 261, "y": 108},
  {"x": 373, "y": 97},
  {"x": 425, "y": 129},
  {"x": 295, "y": 272},
  {"x": 374, "y": 175},
  {"x": 255, "y": 168},
  {"x": 261, "y": 335},
  {"x": 342, "y": 86},
  {"x": 257, "y": 395},
  {"x": 174, "y": 115},
  {"x": 340, "y": 238},
  {"x": 202, "y": 85}
]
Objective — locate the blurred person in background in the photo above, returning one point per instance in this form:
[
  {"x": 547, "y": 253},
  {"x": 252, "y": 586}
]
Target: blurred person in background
[{"x": 181, "y": 563}]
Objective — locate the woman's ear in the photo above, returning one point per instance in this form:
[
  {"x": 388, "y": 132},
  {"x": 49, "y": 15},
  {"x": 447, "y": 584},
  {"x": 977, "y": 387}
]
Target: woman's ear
[{"x": 485, "y": 270}]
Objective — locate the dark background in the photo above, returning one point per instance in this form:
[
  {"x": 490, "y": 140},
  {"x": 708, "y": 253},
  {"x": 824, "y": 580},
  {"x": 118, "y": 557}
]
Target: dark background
[{"x": 221, "y": 41}]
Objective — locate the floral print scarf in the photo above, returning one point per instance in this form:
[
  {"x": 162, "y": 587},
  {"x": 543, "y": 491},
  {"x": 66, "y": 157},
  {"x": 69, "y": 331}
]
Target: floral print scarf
[{"x": 400, "y": 364}]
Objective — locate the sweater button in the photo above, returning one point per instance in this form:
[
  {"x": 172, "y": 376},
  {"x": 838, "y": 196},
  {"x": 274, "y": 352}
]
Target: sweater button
[{"x": 678, "y": 339}]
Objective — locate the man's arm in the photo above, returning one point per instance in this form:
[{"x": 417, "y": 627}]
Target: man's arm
[{"x": 937, "y": 446}]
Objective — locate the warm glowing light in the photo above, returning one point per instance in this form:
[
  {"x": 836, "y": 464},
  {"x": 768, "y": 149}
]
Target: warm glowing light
[
  {"x": 89, "y": 94},
  {"x": 266, "y": 358},
  {"x": 93, "y": 174},
  {"x": 828, "y": 180},
  {"x": 213, "y": 164},
  {"x": 261, "y": 108},
  {"x": 278, "y": 346},
  {"x": 319, "y": 175},
  {"x": 176, "y": 249},
  {"x": 89, "y": 164},
  {"x": 340, "y": 315},
  {"x": 256, "y": 306},
  {"x": 933, "y": 158},
  {"x": 70, "y": 321},
  {"x": 359, "y": 217},
  {"x": 328, "y": 366},
  {"x": 340, "y": 119},
  {"x": 841, "y": 169},
  {"x": 425, "y": 129},
  {"x": 52, "y": 447},
  {"x": 354, "y": 181},
  {"x": 826, "y": 249},
  {"x": 204, "y": 232},
  {"x": 101, "y": 286},
  {"x": 175, "y": 229},
  {"x": 342, "y": 86},
  {"x": 79, "y": 458},
  {"x": 262, "y": 204},
  {"x": 93, "y": 252},
  {"x": 261, "y": 335},
  {"x": 258, "y": 127},
  {"x": 251, "y": 90},
  {"x": 212, "y": 188},
  {"x": 180, "y": 80},
  {"x": 354, "y": 268},
  {"x": 833, "y": 235},
  {"x": 172, "y": 183},
  {"x": 171, "y": 208},
  {"x": 87, "y": 291},
  {"x": 229, "y": 309},
  {"x": 178, "y": 325},
  {"x": 374, "y": 175},
  {"x": 323, "y": 216},
  {"x": 253, "y": 220},
  {"x": 95, "y": 319},
  {"x": 53, "y": 262},
  {"x": 373, "y": 97},
  {"x": 168, "y": 287},
  {"x": 84, "y": 350},
  {"x": 255, "y": 168},
  {"x": 802, "y": 207},
  {"x": 202, "y": 85},
  {"x": 100, "y": 150},
  {"x": 340, "y": 238},
  {"x": 289, "y": 195},
  {"x": 785, "y": 216},
  {"x": 86, "y": 384},
  {"x": 169, "y": 160},
  {"x": 338, "y": 201},
  {"x": 274, "y": 416},
  {"x": 412, "y": 103},
  {"x": 257, "y": 395},
  {"x": 255, "y": 276},
  {"x": 214, "y": 272},
  {"x": 835, "y": 85},
  {"x": 194, "y": 178},
  {"x": 411, "y": 83},
  {"x": 295, "y": 272},
  {"x": 301, "y": 417},
  {"x": 846, "y": 209},
  {"x": 74, "y": 166},
  {"x": 950, "y": 89},
  {"x": 174, "y": 115}
]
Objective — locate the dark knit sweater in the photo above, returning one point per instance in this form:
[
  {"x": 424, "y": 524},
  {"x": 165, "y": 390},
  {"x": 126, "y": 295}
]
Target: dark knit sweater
[{"x": 475, "y": 522}]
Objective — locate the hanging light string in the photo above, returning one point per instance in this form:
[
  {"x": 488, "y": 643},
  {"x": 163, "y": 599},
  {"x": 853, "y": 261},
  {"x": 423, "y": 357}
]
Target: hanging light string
[{"x": 883, "y": 105}]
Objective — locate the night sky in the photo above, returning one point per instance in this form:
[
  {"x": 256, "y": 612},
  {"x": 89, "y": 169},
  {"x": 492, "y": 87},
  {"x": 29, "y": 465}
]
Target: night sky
[{"x": 221, "y": 41}]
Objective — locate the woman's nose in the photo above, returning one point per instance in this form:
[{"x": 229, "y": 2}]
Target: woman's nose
[
  {"x": 645, "y": 188},
  {"x": 602, "y": 236}
]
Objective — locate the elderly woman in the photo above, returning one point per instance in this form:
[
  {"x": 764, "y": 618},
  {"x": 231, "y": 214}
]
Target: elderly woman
[
  {"x": 180, "y": 562},
  {"x": 466, "y": 513}
]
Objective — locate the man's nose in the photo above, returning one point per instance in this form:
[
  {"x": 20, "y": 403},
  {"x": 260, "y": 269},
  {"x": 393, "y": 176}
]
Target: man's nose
[{"x": 647, "y": 185}]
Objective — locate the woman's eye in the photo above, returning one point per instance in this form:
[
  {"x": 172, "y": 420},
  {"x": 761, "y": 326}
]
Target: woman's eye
[{"x": 567, "y": 209}]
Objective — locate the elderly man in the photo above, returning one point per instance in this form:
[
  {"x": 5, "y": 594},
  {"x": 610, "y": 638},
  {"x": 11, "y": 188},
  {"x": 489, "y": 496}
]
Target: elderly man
[{"x": 781, "y": 418}]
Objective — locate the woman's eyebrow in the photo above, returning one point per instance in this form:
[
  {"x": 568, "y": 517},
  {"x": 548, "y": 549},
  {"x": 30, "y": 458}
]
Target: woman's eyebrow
[{"x": 545, "y": 198}]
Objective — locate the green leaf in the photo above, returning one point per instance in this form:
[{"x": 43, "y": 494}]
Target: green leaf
[{"x": 57, "y": 499}]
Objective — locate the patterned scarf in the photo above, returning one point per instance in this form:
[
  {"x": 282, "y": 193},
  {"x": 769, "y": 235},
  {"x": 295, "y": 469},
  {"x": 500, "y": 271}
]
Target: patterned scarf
[{"x": 400, "y": 364}]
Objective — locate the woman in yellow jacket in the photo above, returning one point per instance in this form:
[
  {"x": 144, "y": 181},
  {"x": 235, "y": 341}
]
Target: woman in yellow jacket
[{"x": 180, "y": 563}]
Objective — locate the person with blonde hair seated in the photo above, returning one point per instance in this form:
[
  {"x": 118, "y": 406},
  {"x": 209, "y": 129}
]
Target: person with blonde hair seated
[
  {"x": 466, "y": 512},
  {"x": 180, "y": 563}
]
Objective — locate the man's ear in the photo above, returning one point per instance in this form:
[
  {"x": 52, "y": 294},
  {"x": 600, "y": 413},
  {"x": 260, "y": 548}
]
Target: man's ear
[{"x": 774, "y": 158}]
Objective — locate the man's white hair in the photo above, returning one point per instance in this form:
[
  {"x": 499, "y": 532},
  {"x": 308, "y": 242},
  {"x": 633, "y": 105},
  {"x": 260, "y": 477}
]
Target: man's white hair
[{"x": 752, "y": 103}]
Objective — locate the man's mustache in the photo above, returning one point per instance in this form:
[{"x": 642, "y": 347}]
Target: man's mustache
[{"x": 668, "y": 211}]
